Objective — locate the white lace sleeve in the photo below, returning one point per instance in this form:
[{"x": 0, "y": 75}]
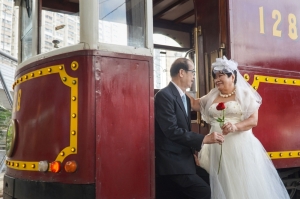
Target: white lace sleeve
[
  {"x": 247, "y": 101},
  {"x": 205, "y": 102}
]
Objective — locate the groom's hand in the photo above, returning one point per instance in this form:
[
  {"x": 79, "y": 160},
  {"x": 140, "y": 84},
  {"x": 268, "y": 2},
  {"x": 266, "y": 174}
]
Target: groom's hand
[
  {"x": 196, "y": 160},
  {"x": 213, "y": 138}
]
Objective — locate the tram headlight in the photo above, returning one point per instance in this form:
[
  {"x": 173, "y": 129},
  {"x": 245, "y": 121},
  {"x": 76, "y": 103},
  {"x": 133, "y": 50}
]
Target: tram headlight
[
  {"x": 43, "y": 166},
  {"x": 11, "y": 137}
]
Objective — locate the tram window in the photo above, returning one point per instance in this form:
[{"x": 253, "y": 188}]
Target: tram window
[
  {"x": 63, "y": 27},
  {"x": 26, "y": 31},
  {"x": 122, "y": 22},
  {"x": 163, "y": 59}
]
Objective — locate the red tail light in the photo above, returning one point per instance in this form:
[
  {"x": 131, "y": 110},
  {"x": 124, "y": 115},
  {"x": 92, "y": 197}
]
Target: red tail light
[{"x": 55, "y": 166}]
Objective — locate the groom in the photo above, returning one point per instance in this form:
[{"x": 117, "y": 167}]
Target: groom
[{"x": 175, "y": 143}]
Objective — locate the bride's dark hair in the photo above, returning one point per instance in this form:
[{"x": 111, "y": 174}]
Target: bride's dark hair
[{"x": 228, "y": 75}]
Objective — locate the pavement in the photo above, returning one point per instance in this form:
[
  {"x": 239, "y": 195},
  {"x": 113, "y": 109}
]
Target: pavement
[{"x": 1, "y": 185}]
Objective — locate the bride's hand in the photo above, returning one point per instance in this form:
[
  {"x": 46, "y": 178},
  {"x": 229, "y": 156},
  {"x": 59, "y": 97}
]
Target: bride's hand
[{"x": 228, "y": 128}]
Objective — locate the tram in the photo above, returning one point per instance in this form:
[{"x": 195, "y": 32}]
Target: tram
[{"x": 83, "y": 117}]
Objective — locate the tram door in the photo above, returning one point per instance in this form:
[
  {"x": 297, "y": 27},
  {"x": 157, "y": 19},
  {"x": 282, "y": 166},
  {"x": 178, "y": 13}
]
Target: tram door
[{"x": 210, "y": 37}]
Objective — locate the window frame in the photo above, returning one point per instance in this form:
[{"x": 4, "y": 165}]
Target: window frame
[{"x": 88, "y": 33}]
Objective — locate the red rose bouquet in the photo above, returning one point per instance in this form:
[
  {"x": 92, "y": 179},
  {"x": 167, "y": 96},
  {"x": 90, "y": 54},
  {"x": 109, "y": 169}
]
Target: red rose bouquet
[{"x": 221, "y": 120}]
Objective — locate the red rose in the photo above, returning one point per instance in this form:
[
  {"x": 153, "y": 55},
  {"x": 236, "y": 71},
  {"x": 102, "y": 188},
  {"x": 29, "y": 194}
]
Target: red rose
[{"x": 221, "y": 106}]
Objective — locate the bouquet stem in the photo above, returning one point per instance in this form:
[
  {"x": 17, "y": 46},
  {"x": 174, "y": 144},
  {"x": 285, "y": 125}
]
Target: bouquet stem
[
  {"x": 220, "y": 160},
  {"x": 221, "y": 123}
]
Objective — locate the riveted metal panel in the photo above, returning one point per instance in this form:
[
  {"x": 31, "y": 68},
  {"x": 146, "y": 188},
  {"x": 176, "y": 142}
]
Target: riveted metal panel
[{"x": 124, "y": 127}]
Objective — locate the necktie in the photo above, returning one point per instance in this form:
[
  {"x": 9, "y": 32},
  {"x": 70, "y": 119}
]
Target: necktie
[{"x": 184, "y": 102}]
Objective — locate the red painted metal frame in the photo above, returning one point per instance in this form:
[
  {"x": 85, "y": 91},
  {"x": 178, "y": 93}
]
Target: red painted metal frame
[
  {"x": 124, "y": 126},
  {"x": 44, "y": 120},
  {"x": 115, "y": 123},
  {"x": 259, "y": 52}
]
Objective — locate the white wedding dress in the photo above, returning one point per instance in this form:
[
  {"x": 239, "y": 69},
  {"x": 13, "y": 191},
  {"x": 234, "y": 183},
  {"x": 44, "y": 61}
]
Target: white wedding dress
[{"x": 246, "y": 172}]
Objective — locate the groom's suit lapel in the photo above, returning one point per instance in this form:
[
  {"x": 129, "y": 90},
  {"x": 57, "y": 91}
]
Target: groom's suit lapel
[{"x": 179, "y": 100}]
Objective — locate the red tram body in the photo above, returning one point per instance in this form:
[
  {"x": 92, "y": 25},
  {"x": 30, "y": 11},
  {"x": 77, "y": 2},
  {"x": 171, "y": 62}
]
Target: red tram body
[
  {"x": 267, "y": 50},
  {"x": 54, "y": 90},
  {"x": 94, "y": 105},
  {"x": 262, "y": 37}
]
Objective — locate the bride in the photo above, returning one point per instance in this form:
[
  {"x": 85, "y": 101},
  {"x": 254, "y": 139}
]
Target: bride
[{"x": 243, "y": 171}]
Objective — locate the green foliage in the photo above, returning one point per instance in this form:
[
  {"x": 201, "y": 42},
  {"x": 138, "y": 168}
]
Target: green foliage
[{"x": 5, "y": 116}]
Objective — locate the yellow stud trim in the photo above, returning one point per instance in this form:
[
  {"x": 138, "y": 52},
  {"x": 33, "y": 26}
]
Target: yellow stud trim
[
  {"x": 277, "y": 80},
  {"x": 284, "y": 154},
  {"x": 246, "y": 77},
  {"x": 74, "y": 65},
  {"x": 273, "y": 80},
  {"x": 72, "y": 148}
]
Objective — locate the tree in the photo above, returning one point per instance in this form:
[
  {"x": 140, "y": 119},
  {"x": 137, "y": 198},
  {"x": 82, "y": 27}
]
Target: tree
[{"x": 5, "y": 116}]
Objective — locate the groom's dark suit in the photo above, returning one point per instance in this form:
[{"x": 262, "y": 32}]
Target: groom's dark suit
[{"x": 174, "y": 141}]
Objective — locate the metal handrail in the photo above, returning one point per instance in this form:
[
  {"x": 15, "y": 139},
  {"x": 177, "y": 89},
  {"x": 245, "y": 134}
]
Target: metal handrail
[
  {"x": 8, "y": 56},
  {"x": 188, "y": 52},
  {"x": 8, "y": 95}
]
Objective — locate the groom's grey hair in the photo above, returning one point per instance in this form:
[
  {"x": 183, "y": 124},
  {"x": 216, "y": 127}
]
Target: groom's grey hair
[{"x": 180, "y": 63}]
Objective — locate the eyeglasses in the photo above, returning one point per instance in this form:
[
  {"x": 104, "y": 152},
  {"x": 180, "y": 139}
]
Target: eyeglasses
[{"x": 193, "y": 71}]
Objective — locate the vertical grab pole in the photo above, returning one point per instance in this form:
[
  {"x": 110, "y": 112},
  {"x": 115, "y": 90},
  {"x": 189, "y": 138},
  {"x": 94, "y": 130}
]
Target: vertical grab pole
[
  {"x": 197, "y": 30},
  {"x": 89, "y": 23}
]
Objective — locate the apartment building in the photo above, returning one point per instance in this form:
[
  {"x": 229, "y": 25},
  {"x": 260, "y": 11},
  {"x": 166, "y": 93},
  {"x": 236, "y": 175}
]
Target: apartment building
[{"x": 55, "y": 26}]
